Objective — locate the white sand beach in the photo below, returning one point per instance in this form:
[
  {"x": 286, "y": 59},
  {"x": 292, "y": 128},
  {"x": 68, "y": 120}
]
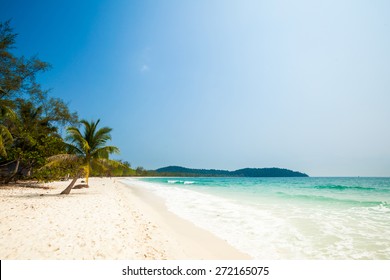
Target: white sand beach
[{"x": 109, "y": 220}]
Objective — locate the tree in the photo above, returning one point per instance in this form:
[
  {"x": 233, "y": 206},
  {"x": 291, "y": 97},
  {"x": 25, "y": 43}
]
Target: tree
[
  {"x": 124, "y": 169},
  {"x": 29, "y": 118},
  {"x": 5, "y": 135},
  {"x": 35, "y": 138},
  {"x": 17, "y": 74},
  {"x": 140, "y": 171},
  {"x": 87, "y": 149}
]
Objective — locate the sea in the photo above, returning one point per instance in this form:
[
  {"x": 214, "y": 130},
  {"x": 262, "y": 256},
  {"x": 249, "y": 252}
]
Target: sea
[{"x": 301, "y": 218}]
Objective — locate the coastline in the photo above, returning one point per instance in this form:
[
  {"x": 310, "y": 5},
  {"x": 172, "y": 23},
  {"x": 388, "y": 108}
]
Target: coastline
[{"x": 109, "y": 220}]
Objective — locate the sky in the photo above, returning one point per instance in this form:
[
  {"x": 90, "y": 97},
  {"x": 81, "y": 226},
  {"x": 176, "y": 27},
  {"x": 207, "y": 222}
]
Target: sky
[{"x": 302, "y": 85}]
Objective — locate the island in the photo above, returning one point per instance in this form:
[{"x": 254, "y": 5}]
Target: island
[{"x": 178, "y": 171}]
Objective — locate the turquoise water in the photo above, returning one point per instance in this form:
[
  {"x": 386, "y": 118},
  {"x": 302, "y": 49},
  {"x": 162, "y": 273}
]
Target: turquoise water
[{"x": 287, "y": 218}]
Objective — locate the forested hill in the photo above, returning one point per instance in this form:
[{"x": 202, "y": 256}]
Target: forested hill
[{"x": 246, "y": 172}]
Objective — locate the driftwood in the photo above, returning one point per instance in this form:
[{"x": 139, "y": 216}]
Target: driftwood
[{"x": 81, "y": 186}]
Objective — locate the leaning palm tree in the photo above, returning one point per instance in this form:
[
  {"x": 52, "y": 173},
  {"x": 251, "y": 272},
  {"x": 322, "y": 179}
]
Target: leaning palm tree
[{"x": 87, "y": 150}]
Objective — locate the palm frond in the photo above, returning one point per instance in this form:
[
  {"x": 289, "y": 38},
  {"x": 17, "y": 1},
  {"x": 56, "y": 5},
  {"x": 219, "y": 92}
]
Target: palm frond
[
  {"x": 5, "y": 134},
  {"x": 3, "y": 151},
  {"x": 103, "y": 134},
  {"x": 105, "y": 151},
  {"x": 73, "y": 149},
  {"x": 88, "y": 148},
  {"x": 89, "y": 130},
  {"x": 61, "y": 159},
  {"x": 6, "y": 111},
  {"x": 77, "y": 138},
  {"x": 5, "y": 138},
  {"x": 108, "y": 163},
  {"x": 100, "y": 140}
]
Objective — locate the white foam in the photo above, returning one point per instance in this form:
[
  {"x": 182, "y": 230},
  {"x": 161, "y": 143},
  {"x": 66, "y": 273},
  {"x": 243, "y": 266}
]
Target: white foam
[
  {"x": 280, "y": 231},
  {"x": 384, "y": 207},
  {"x": 172, "y": 181},
  {"x": 254, "y": 231}
]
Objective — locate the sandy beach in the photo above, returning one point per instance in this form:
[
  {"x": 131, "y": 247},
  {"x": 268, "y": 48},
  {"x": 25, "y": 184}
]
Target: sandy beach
[{"x": 109, "y": 220}]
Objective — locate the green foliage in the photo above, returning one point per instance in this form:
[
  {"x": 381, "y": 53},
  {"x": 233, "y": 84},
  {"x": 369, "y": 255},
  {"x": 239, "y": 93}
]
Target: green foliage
[
  {"x": 123, "y": 169},
  {"x": 5, "y": 140},
  {"x": 60, "y": 166},
  {"x": 140, "y": 171},
  {"x": 34, "y": 135},
  {"x": 31, "y": 122},
  {"x": 91, "y": 143},
  {"x": 17, "y": 74},
  {"x": 87, "y": 149},
  {"x": 116, "y": 170},
  {"x": 246, "y": 172},
  {"x": 29, "y": 117}
]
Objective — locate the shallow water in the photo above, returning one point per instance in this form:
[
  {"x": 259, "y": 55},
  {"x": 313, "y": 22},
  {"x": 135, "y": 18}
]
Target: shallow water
[{"x": 287, "y": 218}]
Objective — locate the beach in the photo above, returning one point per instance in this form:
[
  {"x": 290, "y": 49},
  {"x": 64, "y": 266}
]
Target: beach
[
  {"x": 109, "y": 220},
  {"x": 197, "y": 219}
]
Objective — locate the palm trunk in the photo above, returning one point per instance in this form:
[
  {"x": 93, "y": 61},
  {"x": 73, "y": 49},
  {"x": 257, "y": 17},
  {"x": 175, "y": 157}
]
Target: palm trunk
[
  {"x": 87, "y": 177},
  {"x": 7, "y": 180},
  {"x": 69, "y": 188}
]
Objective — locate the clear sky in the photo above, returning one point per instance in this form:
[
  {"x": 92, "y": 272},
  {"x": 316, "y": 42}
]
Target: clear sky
[{"x": 303, "y": 85}]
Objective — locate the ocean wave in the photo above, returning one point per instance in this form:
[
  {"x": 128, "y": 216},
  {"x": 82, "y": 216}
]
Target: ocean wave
[
  {"x": 276, "y": 230},
  {"x": 172, "y": 181},
  {"x": 180, "y": 182},
  {"x": 342, "y": 188},
  {"x": 328, "y": 199}
]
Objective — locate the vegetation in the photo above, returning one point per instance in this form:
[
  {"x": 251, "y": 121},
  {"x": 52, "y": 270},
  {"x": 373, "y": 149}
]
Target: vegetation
[
  {"x": 87, "y": 150},
  {"x": 123, "y": 169},
  {"x": 177, "y": 171},
  {"x": 31, "y": 146},
  {"x": 29, "y": 117}
]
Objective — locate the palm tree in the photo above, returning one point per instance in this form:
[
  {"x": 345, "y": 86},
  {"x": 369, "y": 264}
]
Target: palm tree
[
  {"x": 27, "y": 127},
  {"x": 5, "y": 139},
  {"x": 87, "y": 149},
  {"x": 5, "y": 135}
]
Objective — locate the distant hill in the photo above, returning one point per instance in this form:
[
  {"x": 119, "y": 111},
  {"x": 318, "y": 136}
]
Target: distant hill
[{"x": 246, "y": 172}]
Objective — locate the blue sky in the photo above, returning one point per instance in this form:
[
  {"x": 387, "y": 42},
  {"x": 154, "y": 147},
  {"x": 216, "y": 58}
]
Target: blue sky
[{"x": 302, "y": 85}]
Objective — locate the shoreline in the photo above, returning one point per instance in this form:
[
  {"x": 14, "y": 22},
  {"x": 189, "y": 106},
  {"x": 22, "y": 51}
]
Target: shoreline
[
  {"x": 110, "y": 220},
  {"x": 193, "y": 242}
]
